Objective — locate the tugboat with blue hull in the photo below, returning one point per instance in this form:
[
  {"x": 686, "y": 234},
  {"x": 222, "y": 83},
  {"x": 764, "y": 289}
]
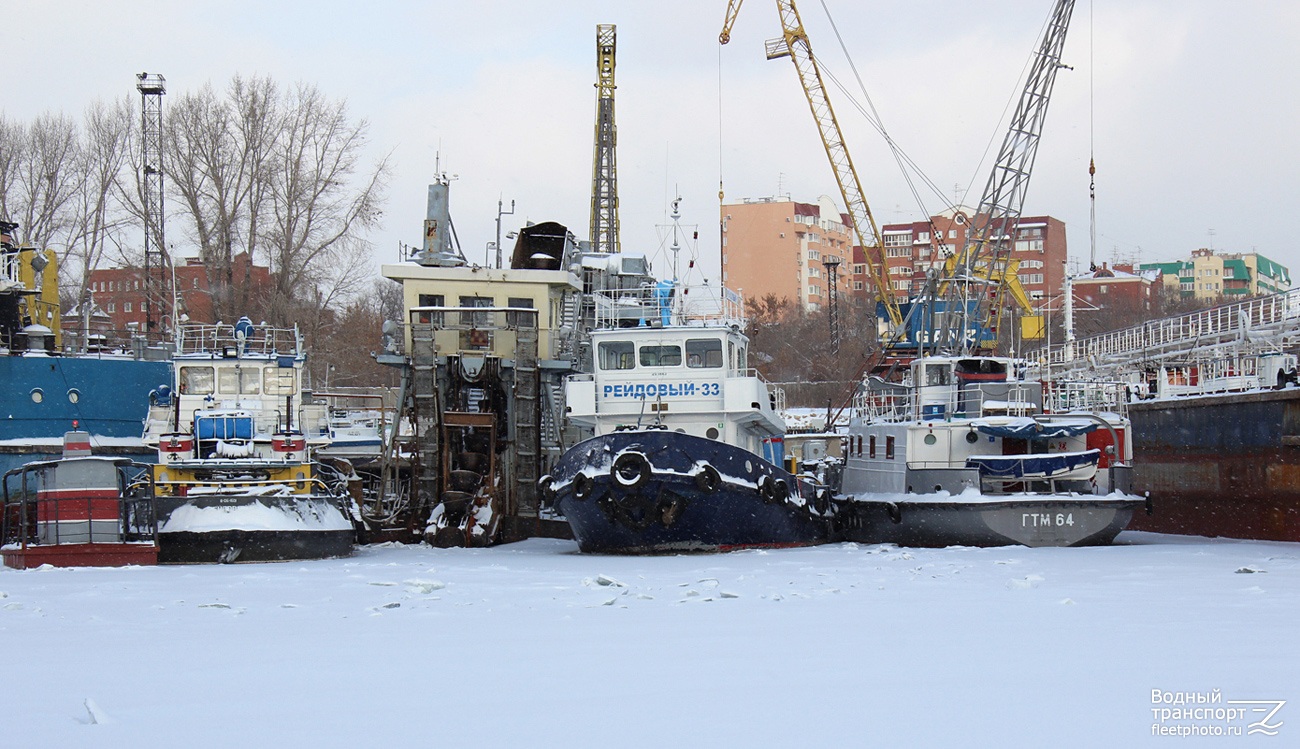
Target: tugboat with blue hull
[
  {"x": 236, "y": 480},
  {"x": 687, "y": 447}
]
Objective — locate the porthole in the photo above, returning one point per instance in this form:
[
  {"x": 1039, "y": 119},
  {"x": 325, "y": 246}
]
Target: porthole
[
  {"x": 972, "y": 437},
  {"x": 38, "y": 395},
  {"x": 749, "y": 467},
  {"x": 712, "y": 433},
  {"x": 930, "y": 439},
  {"x": 74, "y": 395}
]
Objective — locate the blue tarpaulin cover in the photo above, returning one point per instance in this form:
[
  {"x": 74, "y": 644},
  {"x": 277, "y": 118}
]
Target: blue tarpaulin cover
[
  {"x": 1036, "y": 466},
  {"x": 1027, "y": 428}
]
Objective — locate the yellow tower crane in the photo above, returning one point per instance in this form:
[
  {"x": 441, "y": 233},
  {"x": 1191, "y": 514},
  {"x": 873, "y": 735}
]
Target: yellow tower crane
[
  {"x": 604, "y": 170},
  {"x": 795, "y": 45}
]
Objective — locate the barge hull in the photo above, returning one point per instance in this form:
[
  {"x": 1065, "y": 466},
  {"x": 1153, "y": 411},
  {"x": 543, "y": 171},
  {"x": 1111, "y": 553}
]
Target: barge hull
[{"x": 1225, "y": 465}]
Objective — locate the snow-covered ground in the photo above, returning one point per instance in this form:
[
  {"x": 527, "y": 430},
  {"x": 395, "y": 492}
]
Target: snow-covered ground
[{"x": 535, "y": 645}]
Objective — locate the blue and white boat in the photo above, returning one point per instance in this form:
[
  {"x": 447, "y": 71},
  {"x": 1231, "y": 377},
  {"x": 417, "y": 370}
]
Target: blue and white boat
[
  {"x": 962, "y": 452},
  {"x": 687, "y": 445}
]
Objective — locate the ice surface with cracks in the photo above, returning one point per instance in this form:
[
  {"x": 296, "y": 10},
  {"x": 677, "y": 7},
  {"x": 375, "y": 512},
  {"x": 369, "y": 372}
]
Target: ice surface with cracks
[{"x": 837, "y": 645}]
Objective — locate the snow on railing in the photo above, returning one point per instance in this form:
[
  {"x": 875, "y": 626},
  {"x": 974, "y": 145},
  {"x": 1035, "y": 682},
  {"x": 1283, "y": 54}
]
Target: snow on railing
[
  {"x": 670, "y": 305},
  {"x": 243, "y": 337},
  {"x": 1257, "y": 324}
]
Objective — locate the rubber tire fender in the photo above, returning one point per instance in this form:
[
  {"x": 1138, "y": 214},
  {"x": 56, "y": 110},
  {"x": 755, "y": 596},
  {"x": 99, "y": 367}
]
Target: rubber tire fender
[
  {"x": 546, "y": 488},
  {"x": 766, "y": 489},
  {"x": 780, "y": 490},
  {"x": 708, "y": 480},
  {"x": 583, "y": 486},
  {"x": 630, "y": 470}
]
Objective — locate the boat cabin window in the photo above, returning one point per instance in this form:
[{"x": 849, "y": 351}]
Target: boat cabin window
[
  {"x": 661, "y": 356},
  {"x": 278, "y": 381},
  {"x": 981, "y": 368},
  {"x": 703, "y": 352},
  {"x": 938, "y": 374},
  {"x": 197, "y": 380},
  {"x": 246, "y": 380},
  {"x": 617, "y": 355},
  {"x": 475, "y": 319},
  {"x": 432, "y": 300},
  {"x": 515, "y": 319}
]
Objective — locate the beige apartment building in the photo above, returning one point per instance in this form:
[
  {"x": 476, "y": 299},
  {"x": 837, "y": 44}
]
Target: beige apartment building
[
  {"x": 1208, "y": 275},
  {"x": 780, "y": 246}
]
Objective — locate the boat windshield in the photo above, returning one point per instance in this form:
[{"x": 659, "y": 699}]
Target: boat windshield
[
  {"x": 617, "y": 355},
  {"x": 661, "y": 356},
  {"x": 703, "y": 352}
]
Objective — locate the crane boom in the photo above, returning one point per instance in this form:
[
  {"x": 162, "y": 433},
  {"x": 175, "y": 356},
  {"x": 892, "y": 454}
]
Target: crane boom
[
  {"x": 795, "y": 45},
  {"x": 985, "y": 258},
  {"x": 604, "y": 170}
]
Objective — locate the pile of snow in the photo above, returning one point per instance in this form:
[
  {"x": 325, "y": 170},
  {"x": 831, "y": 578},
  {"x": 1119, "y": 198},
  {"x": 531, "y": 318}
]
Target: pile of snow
[{"x": 298, "y": 515}]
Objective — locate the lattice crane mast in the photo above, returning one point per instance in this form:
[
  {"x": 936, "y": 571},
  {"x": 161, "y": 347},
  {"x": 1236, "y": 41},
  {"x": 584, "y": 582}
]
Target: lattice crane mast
[
  {"x": 795, "y": 45},
  {"x": 975, "y": 279},
  {"x": 604, "y": 170}
]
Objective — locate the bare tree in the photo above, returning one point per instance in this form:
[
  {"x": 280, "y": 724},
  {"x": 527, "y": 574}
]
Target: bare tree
[
  {"x": 46, "y": 178},
  {"x": 13, "y": 144},
  {"x": 320, "y": 205},
  {"x": 96, "y": 210},
  {"x": 216, "y": 153}
]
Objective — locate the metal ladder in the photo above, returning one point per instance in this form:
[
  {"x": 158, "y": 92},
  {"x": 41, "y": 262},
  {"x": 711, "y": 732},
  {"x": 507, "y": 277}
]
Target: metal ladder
[
  {"x": 428, "y": 413},
  {"x": 526, "y": 417}
]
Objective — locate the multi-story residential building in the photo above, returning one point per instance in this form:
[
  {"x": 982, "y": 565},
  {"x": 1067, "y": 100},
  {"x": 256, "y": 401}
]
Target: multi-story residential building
[
  {"x": 1208, "y": 275},
  {"x": 779, "y": 246},
  {"x": 912, "y": 249},
  {"x": 119, "y": 293}
]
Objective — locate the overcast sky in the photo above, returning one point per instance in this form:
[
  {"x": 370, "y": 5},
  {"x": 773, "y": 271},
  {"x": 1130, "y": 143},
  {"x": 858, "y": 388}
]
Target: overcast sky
[{"x": 1194, "y": 104}]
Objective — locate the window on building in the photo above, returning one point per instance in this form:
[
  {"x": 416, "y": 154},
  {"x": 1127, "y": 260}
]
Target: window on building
[
  {"x": 857, "y": 286},
  {"x": 111, "y": 308},
  {"x": 126, "y": 306}
]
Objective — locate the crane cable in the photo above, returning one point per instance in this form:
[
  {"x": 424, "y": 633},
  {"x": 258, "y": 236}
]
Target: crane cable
[
  {"x": 873, "y": 118},
  {"x": 1092, "y": 161}
]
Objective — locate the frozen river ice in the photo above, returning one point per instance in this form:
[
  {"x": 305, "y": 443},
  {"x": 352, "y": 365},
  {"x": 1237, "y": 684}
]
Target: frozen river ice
[{"x": 533, "y": 644}]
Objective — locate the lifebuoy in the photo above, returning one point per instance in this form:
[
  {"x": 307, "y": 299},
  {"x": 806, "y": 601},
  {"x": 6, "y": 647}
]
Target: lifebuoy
[
  {"x": 583, "y": 486},
  {"x": 630, "y": 470},
  {"x": 707, "y": 479}
]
